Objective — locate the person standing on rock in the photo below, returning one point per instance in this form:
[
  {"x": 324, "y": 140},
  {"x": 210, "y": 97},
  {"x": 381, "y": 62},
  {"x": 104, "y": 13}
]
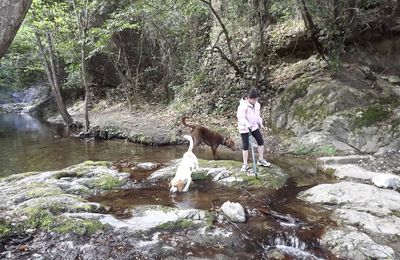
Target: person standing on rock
[{"x": 250, "y": 121}]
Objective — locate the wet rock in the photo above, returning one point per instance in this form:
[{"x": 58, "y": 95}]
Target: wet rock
[
  {"x": 147, "y": 166},
  {"x": 36, "y": 200},
  {"x": 149, "y": 217},
  {"x": 234, "y": 211},
  {"x": 372, "y": 224},
  {"x": 358, "y": 196},
  {"x": 364, "y": 210},
  {"x": 222, "y": 175},
  {"x": 326, "y": 161},
  {"x": 351, "y": 244},
  {"x": 352, "y": 171},
  {"x": 387, "y": 181},
  {"x": 394, "y": 79},
  {"x": 164, "y": 174}
]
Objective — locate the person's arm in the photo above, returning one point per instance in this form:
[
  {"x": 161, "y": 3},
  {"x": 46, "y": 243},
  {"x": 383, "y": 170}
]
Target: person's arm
[{"x": 241, "y": 116}]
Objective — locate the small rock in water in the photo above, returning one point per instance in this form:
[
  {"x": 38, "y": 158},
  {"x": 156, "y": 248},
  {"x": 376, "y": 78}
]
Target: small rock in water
[{"x": 234, "y": 211}]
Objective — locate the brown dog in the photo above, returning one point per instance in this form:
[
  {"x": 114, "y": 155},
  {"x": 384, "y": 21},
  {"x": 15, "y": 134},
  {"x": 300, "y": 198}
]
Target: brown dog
[{"x": 212, "y": 139}]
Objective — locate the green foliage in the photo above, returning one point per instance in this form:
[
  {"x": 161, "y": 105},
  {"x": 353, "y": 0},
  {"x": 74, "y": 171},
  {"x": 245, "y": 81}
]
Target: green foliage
[
  {"x": 108, "y": 183},
  {"x": 5, "y": 228},
  {"x": 180, "y": 224},
  {"x": 282, "y": 10},
  {"x": 20, "y": 67},
  {"x": 78, "y": 226},
  {"x": 326, "y": 150},
  {"x": 373, "y": 114},
  {"x": 39, "y": 218}
]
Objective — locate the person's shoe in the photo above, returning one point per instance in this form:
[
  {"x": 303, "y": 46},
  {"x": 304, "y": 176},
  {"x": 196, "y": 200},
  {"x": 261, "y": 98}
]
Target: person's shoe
[
  {"x": 250, "y": 173},
  {"x": 244, "y": 168},
  {"x": 263, "y": 162}
]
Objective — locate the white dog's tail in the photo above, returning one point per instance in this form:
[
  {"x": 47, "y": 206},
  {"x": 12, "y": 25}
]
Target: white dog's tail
[{"x": 188, "y": 137}]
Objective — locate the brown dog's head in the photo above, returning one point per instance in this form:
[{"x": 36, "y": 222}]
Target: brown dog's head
[
  {"x": 230, "y": 143},
  {"x": 176, "y": 185}
]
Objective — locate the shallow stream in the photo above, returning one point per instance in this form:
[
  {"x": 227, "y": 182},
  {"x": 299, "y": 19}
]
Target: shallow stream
[{"x": 276, "y": 219}]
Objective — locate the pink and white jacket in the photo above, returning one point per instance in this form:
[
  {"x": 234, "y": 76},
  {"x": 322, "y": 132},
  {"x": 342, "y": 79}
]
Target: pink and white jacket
[{"x": 248, "y": 116}]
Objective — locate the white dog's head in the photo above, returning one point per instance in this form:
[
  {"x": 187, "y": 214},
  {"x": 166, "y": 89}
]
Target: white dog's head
[{"x": 176, "y": 185}]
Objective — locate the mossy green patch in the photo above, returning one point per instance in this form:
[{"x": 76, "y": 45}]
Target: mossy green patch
[
  {"x": 5, "y": 228},
  {"x": 325, "y": 150},
  {"x": 200, "y": 175},
  {"x": 297, "y": 90},
  {"x": 330, "y": 172},
  {"x": 395, "y": 213},
  {"x": 43, "y": 192},
  {"x": 228, "y": 164},
  {"x": 20, "y": 176},
  {"x": 50, "y": 220},
  {"x": 267, "y": 177},
  {"x": 180, "y": 224},
  {"x": 63, "y": 174},
  {"x": 77, "y": 226},
  {"x": 108, "y": 182},
  {"x": 39, "y": 218},
  {"x": 371, "y": 115}
]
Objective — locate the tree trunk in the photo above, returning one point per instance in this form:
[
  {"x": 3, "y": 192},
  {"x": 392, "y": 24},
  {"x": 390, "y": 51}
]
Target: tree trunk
[
  {"x": 312, "y": 29},
  {"x": 82, "y": 19},
  {"x": 261, "y": 14},
  {"x": 85, "y": 82},
  {"x": 52, "y": 77},
  {"x": 232, "y": 59},
  {"x": 12, "y": 13}
]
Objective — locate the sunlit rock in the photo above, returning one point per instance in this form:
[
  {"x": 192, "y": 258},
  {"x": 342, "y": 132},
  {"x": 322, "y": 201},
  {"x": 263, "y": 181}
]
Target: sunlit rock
[
  {"x": 352, "y": 244},
  {"x": 387, "y": 181},
  {"x": 234, "y": 211}
]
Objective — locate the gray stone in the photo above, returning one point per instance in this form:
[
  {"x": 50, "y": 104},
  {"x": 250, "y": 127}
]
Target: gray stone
[
  {"x": 352, "y": 244},
  {"x": 357, "y": 196},
  {"x": 387, "y": 181},
  {"x": 234, "y": 211},
  {"x": 352, "y": 171},
  {"x": 147, "y": 165},
  {"x": 388, "y": 225},
  {"x": 394, "y": 79},
  {"x": 325, "y": 161}
]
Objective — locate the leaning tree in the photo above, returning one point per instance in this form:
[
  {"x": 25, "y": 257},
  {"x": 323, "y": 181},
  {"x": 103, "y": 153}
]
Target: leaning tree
[{"x": 12, "y": 13}]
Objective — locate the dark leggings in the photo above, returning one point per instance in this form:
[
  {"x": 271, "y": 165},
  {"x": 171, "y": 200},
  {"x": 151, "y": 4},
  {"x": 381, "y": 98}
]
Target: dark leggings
[{"x": 256, "y": 134}]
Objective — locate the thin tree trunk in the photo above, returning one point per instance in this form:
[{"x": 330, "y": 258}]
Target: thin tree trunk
[
  {"x": 82, "y": 23},
  {"x": 261, "y": 6},
  {"x": 312, "y": 29},
  {"x": 60, "y": 103},
  {"x": 12, "y": 14},
  {"x": 52, "y": 77},
  {"x": 232, "y": 59},
  {"x": 136, "y": 88},
  {"x": 85, "y": 82}
]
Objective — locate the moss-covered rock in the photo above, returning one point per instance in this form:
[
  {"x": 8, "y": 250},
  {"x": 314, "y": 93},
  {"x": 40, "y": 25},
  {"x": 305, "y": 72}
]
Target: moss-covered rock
[{"x": 39, "y": 200}]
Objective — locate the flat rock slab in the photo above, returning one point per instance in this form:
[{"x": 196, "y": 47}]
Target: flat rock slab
[
  {"x": 358, "y": 196},
  {"x": 352, "y": 171}
]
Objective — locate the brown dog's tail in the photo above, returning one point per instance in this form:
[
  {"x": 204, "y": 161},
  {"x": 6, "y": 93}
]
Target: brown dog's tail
[{"x": 186, "y": 124}]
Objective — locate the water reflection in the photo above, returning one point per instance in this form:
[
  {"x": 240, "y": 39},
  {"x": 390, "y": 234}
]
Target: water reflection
[{"x": 27, "y": 144}]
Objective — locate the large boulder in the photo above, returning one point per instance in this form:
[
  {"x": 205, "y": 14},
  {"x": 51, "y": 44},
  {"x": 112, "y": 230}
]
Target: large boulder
[
  {"x": 367, "y": 219},
  {"x": 345, "y": 114}
]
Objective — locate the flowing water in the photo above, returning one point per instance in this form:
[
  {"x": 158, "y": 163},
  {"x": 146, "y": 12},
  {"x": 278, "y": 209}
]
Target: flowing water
[{"x": 277, "y": 218}]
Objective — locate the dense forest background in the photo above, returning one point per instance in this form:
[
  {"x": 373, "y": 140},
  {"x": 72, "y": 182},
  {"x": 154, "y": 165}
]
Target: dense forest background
[
  {"x": 169, "y": 50},
  {"x": 195, "y": 56}
]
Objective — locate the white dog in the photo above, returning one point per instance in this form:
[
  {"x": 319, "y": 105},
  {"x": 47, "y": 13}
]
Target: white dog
[{"x": 183, "y": 175}]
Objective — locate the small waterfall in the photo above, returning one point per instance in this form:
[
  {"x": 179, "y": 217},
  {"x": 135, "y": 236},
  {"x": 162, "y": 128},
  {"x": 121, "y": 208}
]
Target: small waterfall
[{"x": 289, "y": 239}]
